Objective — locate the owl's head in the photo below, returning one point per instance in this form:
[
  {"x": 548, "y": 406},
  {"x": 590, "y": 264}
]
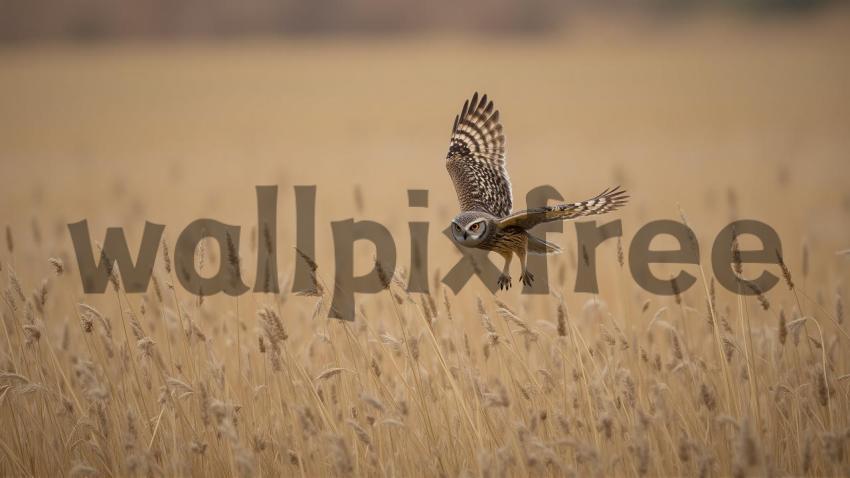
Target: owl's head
[{"x": 470, "y": 228}]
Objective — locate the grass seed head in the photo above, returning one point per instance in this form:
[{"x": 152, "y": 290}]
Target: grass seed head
[
  {"x": 786, "y": 273},
  {"x": 57, "y": 265}
]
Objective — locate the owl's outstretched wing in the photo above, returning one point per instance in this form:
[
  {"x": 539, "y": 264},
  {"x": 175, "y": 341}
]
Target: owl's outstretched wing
[
  {"x": 607, "y": 201},
  {"x": 476, "y": 159}
]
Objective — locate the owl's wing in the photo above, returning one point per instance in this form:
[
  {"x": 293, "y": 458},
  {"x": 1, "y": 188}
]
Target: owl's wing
[
  {"x": 476, "y": 159},
  {"x": 607, "y": 201}
]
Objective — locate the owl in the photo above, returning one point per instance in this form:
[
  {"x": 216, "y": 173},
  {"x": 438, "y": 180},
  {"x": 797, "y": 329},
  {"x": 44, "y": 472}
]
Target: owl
[{"x": 476, "y": 164}]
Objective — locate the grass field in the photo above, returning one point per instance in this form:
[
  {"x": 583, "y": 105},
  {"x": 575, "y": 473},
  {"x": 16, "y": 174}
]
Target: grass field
[{"x": 718, "y": 119}]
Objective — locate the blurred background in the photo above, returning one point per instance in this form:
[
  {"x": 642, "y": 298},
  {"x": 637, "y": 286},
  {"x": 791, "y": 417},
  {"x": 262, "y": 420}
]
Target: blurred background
[
  {"x": 101, "y": 20},
  {"x": 120, "y": 112}
]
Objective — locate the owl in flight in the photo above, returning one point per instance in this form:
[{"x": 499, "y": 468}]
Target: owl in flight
[{"x": 476, "y": 164}]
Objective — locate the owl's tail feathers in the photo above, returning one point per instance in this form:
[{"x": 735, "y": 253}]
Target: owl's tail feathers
[{"x": 540, "y": 247}]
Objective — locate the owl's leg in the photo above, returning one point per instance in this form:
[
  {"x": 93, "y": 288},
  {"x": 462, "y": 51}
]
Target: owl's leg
[
  {"x": 505, "y": 277},
  {"x": 525, "y": 277}
]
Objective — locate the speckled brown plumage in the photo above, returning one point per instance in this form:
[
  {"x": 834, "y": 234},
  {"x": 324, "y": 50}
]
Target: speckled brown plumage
[
  {"x": 476, "y": 164},
  {"x": 476, "y": 159}
]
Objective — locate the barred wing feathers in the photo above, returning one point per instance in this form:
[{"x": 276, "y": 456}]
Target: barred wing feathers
[
  {"x": 609, "y": 200},
  {"x": 476, "y": 159}
]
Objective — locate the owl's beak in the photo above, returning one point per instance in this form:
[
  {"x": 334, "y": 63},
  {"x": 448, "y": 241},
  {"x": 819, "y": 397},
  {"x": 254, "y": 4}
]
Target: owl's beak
[{"x": 465, "y": 235}]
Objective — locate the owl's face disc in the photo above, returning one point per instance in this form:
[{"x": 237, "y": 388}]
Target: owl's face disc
[{"x": 470, "y": 230}]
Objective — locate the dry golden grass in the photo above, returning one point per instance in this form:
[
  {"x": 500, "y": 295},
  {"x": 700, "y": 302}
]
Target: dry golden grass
[{"x": 723, "y": 119}]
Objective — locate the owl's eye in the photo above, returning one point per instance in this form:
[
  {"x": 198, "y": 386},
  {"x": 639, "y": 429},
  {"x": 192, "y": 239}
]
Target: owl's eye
[{"x": 474, "y": 227}]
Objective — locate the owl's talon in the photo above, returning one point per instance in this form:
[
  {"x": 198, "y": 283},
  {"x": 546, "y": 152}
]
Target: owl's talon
[
  {"x": 526, "y": 278},
  {"x": 504, "y": 282}
]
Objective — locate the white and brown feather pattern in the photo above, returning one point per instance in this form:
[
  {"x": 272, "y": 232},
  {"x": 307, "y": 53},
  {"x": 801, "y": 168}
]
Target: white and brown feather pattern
[
  {"x": 476, "y": 164},
  {"x": 607, "y": 201},
  {"x": 476, "y": 159}
]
